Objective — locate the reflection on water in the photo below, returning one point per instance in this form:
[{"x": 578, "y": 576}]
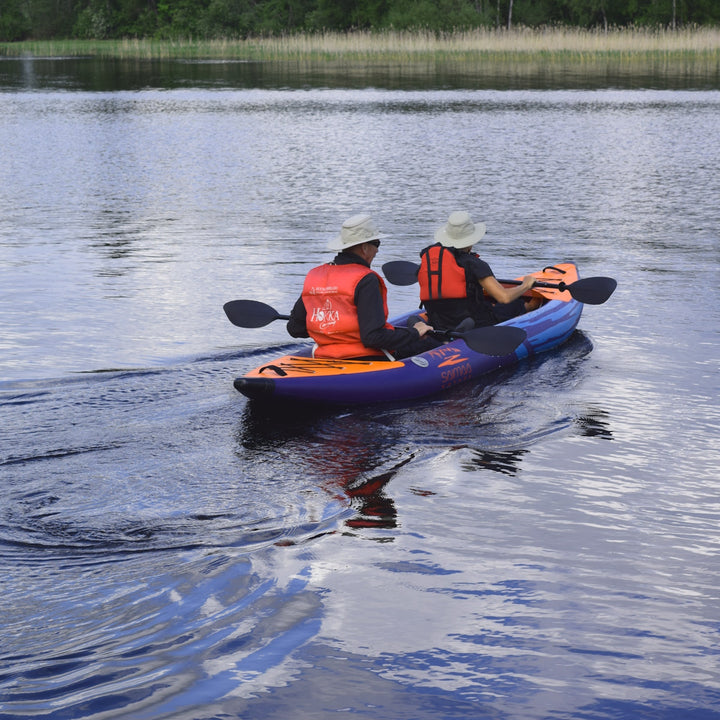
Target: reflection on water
[
  {"x": 502, "y": 462},
  {"x": 181, "y": 200},
  {"x": 595, "y": 422},
  {"x": 502, "y": 540},
  {"x": 348, "y": 457},
  {"x": 354, "y": 451},
  {"x": 267, "y": 428},
  {"x": 107, "y": 74},
  {"x": 542, "y": 543}
]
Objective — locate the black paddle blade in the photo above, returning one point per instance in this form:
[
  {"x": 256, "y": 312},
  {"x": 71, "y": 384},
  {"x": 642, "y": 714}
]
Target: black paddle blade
[
  {"x": 592, "y": 290},
  {"x": 251, "y": 313},
  {"x": 401, "y": 272},
  {"x": 497, "y": 340}
]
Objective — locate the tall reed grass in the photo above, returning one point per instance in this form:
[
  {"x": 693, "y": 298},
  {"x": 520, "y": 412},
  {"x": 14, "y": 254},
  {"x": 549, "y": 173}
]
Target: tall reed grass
[{"x": 392, "y": 46}]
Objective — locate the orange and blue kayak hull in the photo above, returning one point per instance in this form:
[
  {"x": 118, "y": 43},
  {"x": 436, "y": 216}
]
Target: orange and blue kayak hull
[{"x": 300, "y": 377}]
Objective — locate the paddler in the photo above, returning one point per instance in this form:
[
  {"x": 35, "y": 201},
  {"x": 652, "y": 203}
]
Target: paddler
[
  {"x": 343, "y": 306},
  {"x": 455, "y": 284}
]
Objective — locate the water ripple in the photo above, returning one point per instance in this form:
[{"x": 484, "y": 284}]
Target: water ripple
[{"x": 162, "y": 634}]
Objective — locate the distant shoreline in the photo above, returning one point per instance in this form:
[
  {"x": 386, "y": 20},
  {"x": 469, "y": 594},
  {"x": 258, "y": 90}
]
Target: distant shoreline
[{"x": 686, "y": 47}]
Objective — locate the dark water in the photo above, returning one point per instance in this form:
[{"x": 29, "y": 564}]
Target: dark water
[
  {"x": 543, "y": 545},
  {"x": 110, "y": 74}
]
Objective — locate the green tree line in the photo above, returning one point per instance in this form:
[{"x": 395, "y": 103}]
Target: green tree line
[{"x": 165, "y": 19}]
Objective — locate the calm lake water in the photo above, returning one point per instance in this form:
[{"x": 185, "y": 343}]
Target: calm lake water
[{"x": 542, "y": 545}]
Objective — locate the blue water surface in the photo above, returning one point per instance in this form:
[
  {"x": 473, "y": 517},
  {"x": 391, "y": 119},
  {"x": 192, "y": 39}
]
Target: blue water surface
[{"x": 540, "y": 545}]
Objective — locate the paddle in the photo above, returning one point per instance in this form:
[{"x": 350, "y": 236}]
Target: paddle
[
  {"x": 591, "y": 291},
  {"x": 492, "y": 340},
  {"x": 251, "y": 313},
  {"x": 401, "y": 272}
]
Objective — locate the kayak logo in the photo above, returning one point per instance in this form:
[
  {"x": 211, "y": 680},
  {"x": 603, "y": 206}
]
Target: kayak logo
[
  {"x": 325, "y": 317},
  {"x": 454, "y": 359},
  {"x": 448, "y": 355}
]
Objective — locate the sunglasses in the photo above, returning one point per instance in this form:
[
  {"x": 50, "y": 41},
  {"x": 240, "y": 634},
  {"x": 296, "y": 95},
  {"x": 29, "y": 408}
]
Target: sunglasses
[{"x": 375, "y": 243}]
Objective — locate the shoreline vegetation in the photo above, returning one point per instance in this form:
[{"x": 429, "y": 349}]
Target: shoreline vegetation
[{"x": 692, "y": 48}]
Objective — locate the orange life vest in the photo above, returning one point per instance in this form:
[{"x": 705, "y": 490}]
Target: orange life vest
[
  {"x": 332, "y": 320},
  {"x": 440, "y": 276}
]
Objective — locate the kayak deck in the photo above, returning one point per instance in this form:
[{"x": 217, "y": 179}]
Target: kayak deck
[{"x": 561, "y": 272}]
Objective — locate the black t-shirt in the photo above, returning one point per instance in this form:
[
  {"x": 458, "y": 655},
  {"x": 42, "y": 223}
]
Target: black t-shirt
[{"x": 447, "y": 314}]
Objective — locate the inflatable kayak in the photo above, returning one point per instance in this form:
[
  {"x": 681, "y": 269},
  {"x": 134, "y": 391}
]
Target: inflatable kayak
[{"x": 464, "y": 358}]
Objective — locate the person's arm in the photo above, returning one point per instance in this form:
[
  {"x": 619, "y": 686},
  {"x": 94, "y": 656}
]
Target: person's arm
[
  {"x": 297, "y": 324},
  {"x": 477, "y": 269},
  {"x": 371, "y": 318},
  {"x": 502, "y": 294}
]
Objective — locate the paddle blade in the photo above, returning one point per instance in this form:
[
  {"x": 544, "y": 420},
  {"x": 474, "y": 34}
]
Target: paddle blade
[
  {"x": 401, "y": 272},
  {"x": 251, "y": 313},
  {"x": 494, "y": 339},
  {"x": 592, "y": 290}
]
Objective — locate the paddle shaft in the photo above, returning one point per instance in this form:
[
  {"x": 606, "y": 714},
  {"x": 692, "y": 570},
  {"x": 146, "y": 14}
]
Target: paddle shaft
[
  {"x": 497, "y": 340},
  {"x": 404, "y": 272},
  {"x": 593, "y": 291},
  {"x": 561, "y": 286},
  {"x": 489, "y": 340}
]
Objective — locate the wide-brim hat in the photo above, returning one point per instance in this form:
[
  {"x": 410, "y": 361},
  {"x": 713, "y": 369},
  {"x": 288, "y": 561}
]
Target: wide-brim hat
[
  {"x": 356, "y": 230},
  {"x": 460, "y": 231}
]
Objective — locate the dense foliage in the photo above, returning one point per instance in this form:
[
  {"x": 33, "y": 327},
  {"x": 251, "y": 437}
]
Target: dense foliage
[{"x": 99, "y": 19}]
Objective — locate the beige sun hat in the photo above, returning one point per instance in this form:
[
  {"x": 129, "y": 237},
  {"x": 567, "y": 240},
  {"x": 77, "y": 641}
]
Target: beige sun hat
[
  {"x": 355, "y": 230},
  {"x": 460, "y": 231}
]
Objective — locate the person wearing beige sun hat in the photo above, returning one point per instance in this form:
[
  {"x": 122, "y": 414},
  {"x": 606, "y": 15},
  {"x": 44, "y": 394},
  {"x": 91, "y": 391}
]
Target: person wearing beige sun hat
[
  {"x": 460, "y": 231},
  {"x": 343, "y": 305},
  {"x": 355, "y": 231},
  {"x": 456, "y": 284}
]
